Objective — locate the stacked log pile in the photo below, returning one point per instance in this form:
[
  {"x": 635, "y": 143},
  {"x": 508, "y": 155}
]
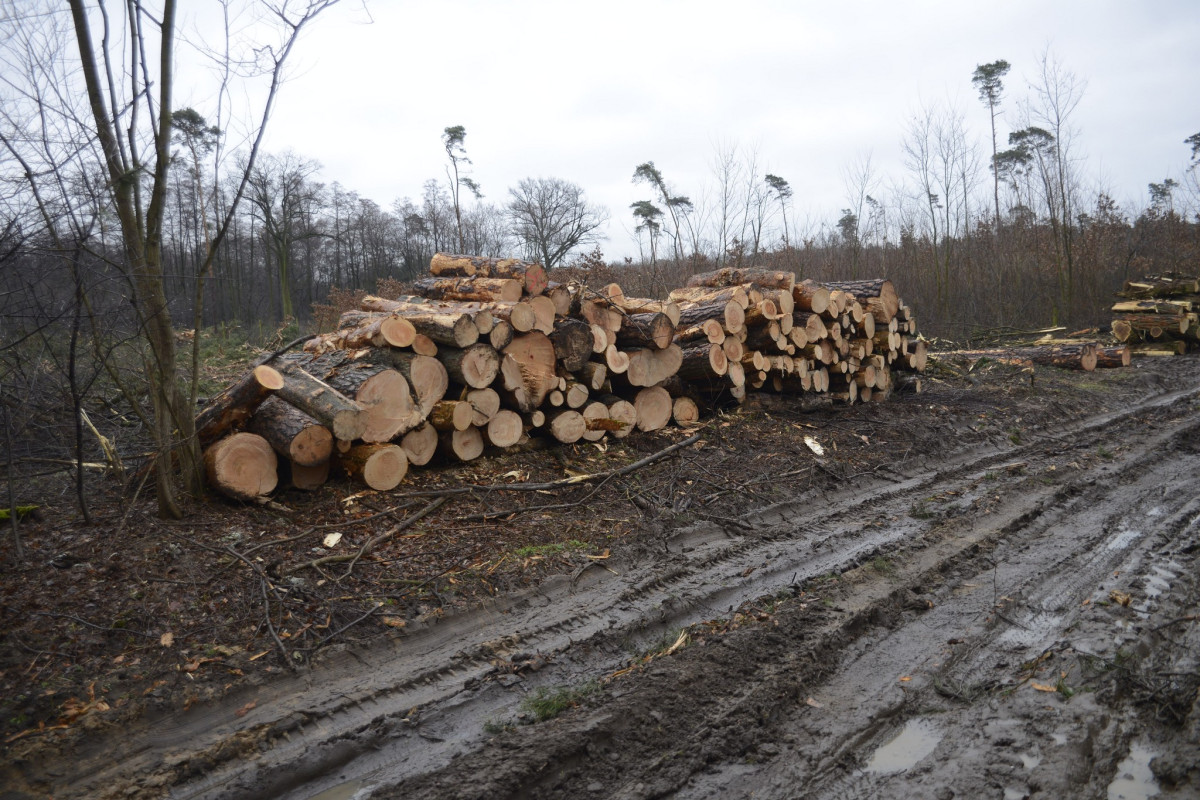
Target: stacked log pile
[
  {"x": 1158, "y": 315},
  {"x": 488, "y": 352}
]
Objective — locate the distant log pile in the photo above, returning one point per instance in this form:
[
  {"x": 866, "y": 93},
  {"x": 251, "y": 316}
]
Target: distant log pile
[
  {"x": 489, "y": 352},
  {"x": 1157, "y": 314}
]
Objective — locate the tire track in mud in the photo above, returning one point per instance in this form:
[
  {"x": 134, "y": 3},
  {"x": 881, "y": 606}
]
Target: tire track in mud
[
  {"x": 405, "y": 708},
  {"x": 899, "y": 695}
]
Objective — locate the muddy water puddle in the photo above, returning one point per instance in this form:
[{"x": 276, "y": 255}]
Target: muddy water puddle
[
  {"x": 1134, "y": 780},
  {"x": 916, "y": 740}
]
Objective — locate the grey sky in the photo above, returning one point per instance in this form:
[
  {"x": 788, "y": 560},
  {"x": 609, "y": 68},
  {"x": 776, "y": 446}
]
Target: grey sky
[{"x": 586, "y": 91}]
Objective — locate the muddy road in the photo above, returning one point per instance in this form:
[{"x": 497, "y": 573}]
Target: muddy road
[{"x": 1010, "y": 618}]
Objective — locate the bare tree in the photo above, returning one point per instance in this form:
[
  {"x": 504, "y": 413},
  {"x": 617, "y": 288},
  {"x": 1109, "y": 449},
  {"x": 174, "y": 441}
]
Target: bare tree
[
  {"x": 553, "y": 218},
  {"x": 452, "y": 139},
  {"x": 989, "y": 80},
  {"x": 119, "y": 124}
]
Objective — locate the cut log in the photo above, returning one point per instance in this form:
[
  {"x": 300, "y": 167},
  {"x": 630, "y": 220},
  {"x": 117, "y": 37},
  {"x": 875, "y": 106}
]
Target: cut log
[
  {"x": 476, "y": 289},
  {"x": 466, "y": 445},
  {"x": 616, "y": 361},
  {"x": 485, "y": 403},
  {"x": 504, "y": 429},
  {"x": 427, "y": 377},
  {"x": 308, "y": 478},
  {"x": 703, "y": 361},
  {"x": 593, "y": 374},
  {"x": 734, "y": 276},
  {"x": 1112, "y": 357},
  {"x": 654, "y": 407},
  {"x": 452, "y": 415},
  {"x": 649, "y": 367},
  {"x": 597, "y": 422},
  {"x": 420, "y": 444},
  {"x": 685, "y": 412},
  {"x": 652, "y": 330},
  {"x": 866, "y": 290},
  {"x": 566, "y": 425},
  {"x": 232, "y": 407},
  {"x": 625, "y": 415},
  {"x": 384, "y": 395},
  {"x": 293, "y": 434},
  {"x": 543, "y": 313},
  {"x": 476, "y": 366},
  {"x": 728, "y": 313},
  {"x": 643, "y": 305},
  {"x": 424, "y": 346},
  {"x": 710, "y": 330},
  {"x": 532, "y": 275},
  {"x": 561, "y": 296},
  {"x": 380, "y": 466},
  {"x": 1166, "y": 285},
  {"x": 501, "y": 335},
  {"x": 809, "y": 296},
  {"x": 573, "y": 343},
  {"x": 527, "y": 372},
  {"x": 346, "y": 419},
  {"x": 242, "y": 466},
  {"x": 700, "y": 295}
]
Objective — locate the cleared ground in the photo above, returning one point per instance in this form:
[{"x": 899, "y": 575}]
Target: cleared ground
[{"x": 985, "y": 590}]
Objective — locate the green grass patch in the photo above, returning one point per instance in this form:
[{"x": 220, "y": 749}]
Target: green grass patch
[
  {"x": 547, "y": 703},
  {"x": 553, "y": 548}
]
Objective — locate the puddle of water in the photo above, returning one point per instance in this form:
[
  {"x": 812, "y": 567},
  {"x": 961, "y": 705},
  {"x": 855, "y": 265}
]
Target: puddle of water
[
  {"x": 1134, "y": 780},
  {"x": 917, "y": 740},
  {"x": 1123, "y": 539},
  {"x": 343, "y": 791},
  {"x": 1037, "y": 628},
  {"x": 1159, "y": 582}
]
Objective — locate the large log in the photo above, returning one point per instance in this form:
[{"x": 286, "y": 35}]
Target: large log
[
  {"x": 345, "y": 418},
  {"x": 863, "y": 291},
  {"x": 711, "y": 330},
  {"x": 504, "y": 429},
  {"x": 527, "y": 371},
  {"x": 654, "y": 408},
  {"x": 531, "y": 274},
  {"x": 705, "y": 295},
  {"x": 383, "y": 393},
  {"x": 449, "y": 324},
  {"x": 232, "y": 407},
  {"x": 573, "y": 343},
  {"x": 308, "y": 478},
  {"x": 242, "y": 466},
  {"x": 426, "y": 375},
  {"x": 703, "y": 361},
  {"x": 452, "y": 415},
  {"x": 644, "y": 305},
  {"x": 648, "y": 367},
  {"x": 380, "y": 466},
  {"x": 734, "y": 276},
  {"x": 810, "y": 296},
  {"x": 293, "y": 434},
  {"x": 420, "y": 444},
  {"x": 476, "y": 366},
  {"x": 566, "y": 425},
  {"x": 1112, "y": 357},
  {"x": 477, "y": 289},
  {"x": 651, "y": 329},
  {"x": 485, "y": 403},
  {"x": 1166, "y": 285},
  {"x": 729, "y": 313},
  {"x": 464, "y": 445}
]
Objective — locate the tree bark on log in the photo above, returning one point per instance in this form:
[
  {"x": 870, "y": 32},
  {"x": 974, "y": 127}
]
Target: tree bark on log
[
  {"x": 345, "y": 418},
  {"x": 809, "y": 296},
  {"x": 234, "y": 406},
  {"x": 476, "y": 290},
  {"x": 572, "y": 340},
  {"x": 700, "y": 295},
  {"x": 703, "y": 361},
  {"x": 242, "y": 466},
  {"x": 293, "y": 434},
  {"x": 735, "y": 276},
  {"x": 653, "y": 330},
  {"x": 531, "y": 274},
  {"x": 452, "y": 415},
  {"x": 383, "y": 393}
]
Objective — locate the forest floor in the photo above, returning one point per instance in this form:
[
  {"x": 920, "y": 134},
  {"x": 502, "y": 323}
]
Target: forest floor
[{"x": 988, "y": 589}]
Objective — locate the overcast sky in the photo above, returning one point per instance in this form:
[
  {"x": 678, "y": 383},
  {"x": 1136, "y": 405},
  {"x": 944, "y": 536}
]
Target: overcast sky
[{"x": 587, "y": 91}]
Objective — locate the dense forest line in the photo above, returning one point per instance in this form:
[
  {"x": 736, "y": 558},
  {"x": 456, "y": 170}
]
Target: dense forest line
[{"x": 126, "y": 226}]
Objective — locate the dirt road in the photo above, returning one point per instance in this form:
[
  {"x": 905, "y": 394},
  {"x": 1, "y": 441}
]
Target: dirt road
[{"x": 1010, "y": 618}]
